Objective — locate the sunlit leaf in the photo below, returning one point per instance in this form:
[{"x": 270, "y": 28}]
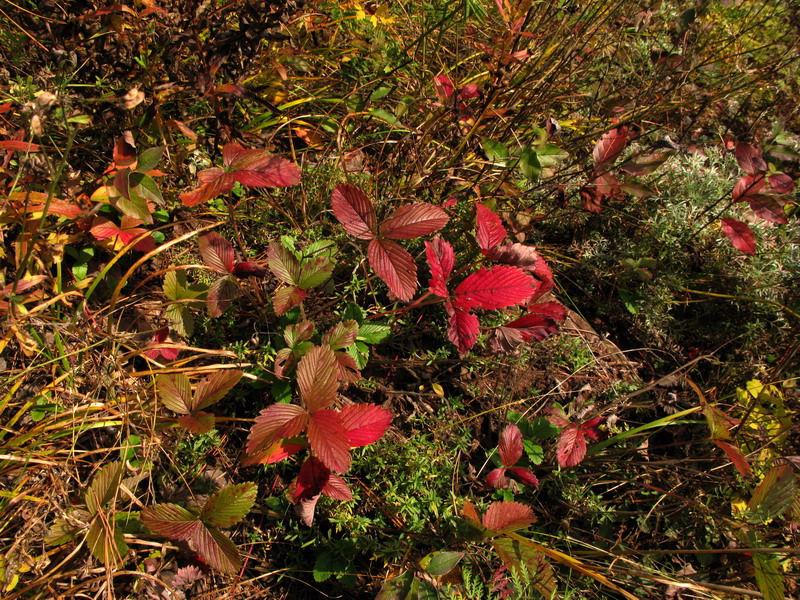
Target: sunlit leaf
[
  {"x": 316, "y": 378},
  {"x": 413, "y": 221},
  {"x": 216, "y": 549},
  {"x": 217, "y": 252},
  {"x": 463, "y": 329},
  {"x": 175, "y": 392},
  {"x": 493, "y": 288},
  {"x": 198, "y": 422},
  {"x": 510, "y": 446},
  {"x": 609, "y": 147},
  {"x": 490, "y": 227},
  {"x": 104, "y": 487},
  {"x": 536, "y": 566},
  {"x": 502, "y": 517},
  {"x": 395, "y": 266},
  {"x": 354, "y": 211},
  {"x": 221, "y": 295},
  {"x": 749, "y": 159},
  {"x": 328, "y": 439},
  {"x": 275, "y": 422},
  {"x": 229, "y": 505},
  {"x": 441, "y": 259},
  {"x": 364, "y": 423},
  {"x": 214, "y": 387},
  {"x": 740, "y": 235},
  {"x": 171, "y": 521}
]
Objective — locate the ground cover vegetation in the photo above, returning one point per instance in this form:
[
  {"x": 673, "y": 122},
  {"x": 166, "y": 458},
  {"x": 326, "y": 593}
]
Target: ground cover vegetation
[{"x": 471, "y": 299}]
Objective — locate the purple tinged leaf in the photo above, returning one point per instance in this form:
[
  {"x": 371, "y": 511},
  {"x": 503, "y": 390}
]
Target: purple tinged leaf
[
  {"x": 510, "y": 446},
  {"x": 749, "y": 159},
  {"x": 413, "y": 221},
  {"x": 354, "y": 211},
  {"x": 275, "y": 422},
  {"x": 524, "y": 475},
  {"x": 781, "y": 183},
  {"x": 220, "y": 295},
  {"x": 214, "y": 387},
  {"x": 229, "y": 505},
  {"x": 768, "y": 208},
  {"x": 216, "y": 550},
  {"x": 740, "y": 235},
  {"x": 316, "y": 378},
  {"x": 248, "y": 269},
  {"x": 609, "y": 147},
  {"x": 490, "y": 227},
  {"x": 341, "y": 335},
  {"x": 748, "y": 185},
  {"x": 286, "y": 298},
  {"x": 441, "y": 260},
  {"x": 314, "y": 272},
  {"x": 395, "y": 266},
  {"x": 283, "y": 263},
  {"x": 463, "y": 329},
  {"x": 171, "y": 521},
  {"x": 198, "y": 422},
  {"x": 217, "y": 252}
]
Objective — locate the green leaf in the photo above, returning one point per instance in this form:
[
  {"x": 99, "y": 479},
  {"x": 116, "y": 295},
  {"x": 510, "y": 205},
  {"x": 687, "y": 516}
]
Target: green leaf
[
  {"x": 495, "y": 151},
  {"x": 542, "y": 429},
  {"x": 175, "y": 392},
  {"x": 384, "y": 115},
  {"x": 550, "y": 156},
  {"x": 149, "y": 159},
  {"x": 529, "y": 164},
  {"x": 328, "y": 563},
  {"x": 423, "y": 590},
  {"x": 354, "y": 312},
  {"x": 314, "y": 272},
  {"x": 533, "y": 451},
  {"x": 398, "y": 588},
  {"x": 106, "y": 542},
  {"x": 769, "y": 576},
  {"x": 321, "y": 248},
  {"x": 133, "y": 205},
  {"x": 62, "y": 531},
  {"x": 80, "y": 268},
  {"x": 373, "y": 333},
  {"x": 441, "y": 563},
  {"x": 229, "y": 505},
  {"x": 380, "y": 92},
  {"x": 180, "y": 319},
  {"x": 282, "y": 391},
  {"x": 360, "y": 353},
  {"x": 773, "y": 495}
]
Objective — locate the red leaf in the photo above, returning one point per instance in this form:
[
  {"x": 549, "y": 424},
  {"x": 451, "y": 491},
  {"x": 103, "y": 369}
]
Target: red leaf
[
  {"x": 364, "y": 423},
  {"x": 609, "y": 147},
  {"x": 571, "y": 447},
  {"x": 781, "y": 183},
  {"x": 749, "y": 159},
  {"x": 124, "y": 151},
  {"x": 747, "y": 185},
  {"x": 490, "y": 227},
  {"x": 740, "y": 235},
  {"x": 171, "y": 521},
  {"x": 737, "y": 458},
  {"x": 162, "y": 347},
  {"x": 248, "y": 269},
  {"x": 214, "y": 387},
  {"x": 198, "y": 422},
  {"x": 127, "y": 231},
  {"x": 471, "y": 515},
  {"x": 336, "y": 488},
  {"x": 505, "y": 340},
  {"x": 524, "y": 475},
  {"x": 497, "y": 480},
  {"x": 313, "y": 476},
  {"x": 510, "y": 446},
  {"x": 316, "y": 378},
  {"x": 444, "y": 87},
  {"x": 768, "y": 208},
  {"x": 257, "y": 168},
  {"x": 275, "y": 422},
  {"x": 441, "y": 259},
  {"x": 503, "y": 517},
  {"x": 591, "y": 199},
  {"x": 541, "y": 322},
  {"x": 494, "y": 288},
  {"x": 15, "y": 145},
  {"x": 413, "y": 221},
  {"x": 283, "y": 263},
  {"x": 214, "y": 182},
  {"x": 217, "y": 252},
  {"x": 463, "y": 329},
  {"x": 220, "y": 295},
  {"x": 468, "y": 91},
  {"x": 278, "y": 451},
  {"x": 394, "y": 266},
  {"x": 354, "y": 211},
  {"x": 286, "y": 298},
  {"x": 328, "y": 440},
  {"x": 529, "y": 260},
  {"x": 341, "y": 335}
]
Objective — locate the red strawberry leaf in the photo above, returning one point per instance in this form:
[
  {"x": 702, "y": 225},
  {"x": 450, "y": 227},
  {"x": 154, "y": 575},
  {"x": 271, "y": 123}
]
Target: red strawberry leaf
[
  {"x": 541, "y": 322},
  {"x": 336, "y": 488},
  {"x": 524, "y": 475},
  {"x": 748, "y": 185},
  {"x": 364, "y": 423},
  {"x": 503, "y": 517},
  {"x": 278, "y": 451},
  {"x": 444, "y": 87},
  {"x": 310, "y": 480},
  {"x": 463, "y": 329},
  {"x": 217, "y": 252},
  {"x": 490, "y": 227},
  {"x": 18, "y": 146},
  {"x": 571, "y": 446},
  {"x": 494, "y": 288},
  {"x": 214, "y": 182},
  {"x": 171, "y": 521},
  {"x": 286, "y": 298},
  {"x": 328, "y": 439},
  {"x": 510, "y": 446},
  {"x": 216, "y": 550},
  {"x": 283, "y": 263},
  {"x": 229, "y": 505},
  {"x": 413, "y": 221},
  {"x": 257, "y": 168},
  {"x": 198, "y": 422},
  {"x": 736, "y": 457},
  {"x": 161, "y": 347},
  {"x": 740, "y": 235},
  {"x": 768, "y": 208},
  {"x": 316, "y": 378},
  {"x": 395, "y": 266},
  {"x": 341, "y": 335},
  {"x": 441, "y": 260},
  {"x": 497, "y": 480},
  {"x": 124, "y": 233},
  {"x": 220, "y": 295},
  {"x": 609, "y": 147},
  {"x": 248, "y": 269},
  {"x": 354, "y": 211},
  {"x": 749, "y": 159},
  {"x": 214, "y": 387},
  {"x": 528, "y": 259},
  {"x": 275, "y": 422}
]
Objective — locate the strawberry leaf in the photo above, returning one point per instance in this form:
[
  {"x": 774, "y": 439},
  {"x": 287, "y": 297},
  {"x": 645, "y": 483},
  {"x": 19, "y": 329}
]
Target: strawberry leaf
[
  {"x": 749, "y": 159},
  {"x": 314, "y": 272},
  {"x": 214, "y": 387},
  {"x": 328, "y": 439},
  {"x": 217, "y": 252},
  {"x": 341, "y": 335},
  {"x": 221, "y": 295},
  {"x": 395, "y": 266},
  {"x": 494, "y": 288},
  {"x": 503, "y": 517},
  {"x": 336, "y": 488},
  {"x": 310, "y": 480},
  {"x": 275, "y": 422},
  {"x": 175, "y": 392},
  {"x": 571, "y": 446},
  {"x": 463, "y": 329},
  {"x": 524, "y": 475},
  {"x": 171, "y": 521},
  {"x": 104, "y": 487},
  {"x": 740, "y": 235},
  {"x": 248, "y": 269},
  {"x": 286, "y": 298},
  {"x": 229, "y": 505},
  {"x": 216, "y": 550},
  {"x": 278, "y": 451},
  {"x": 214, "y": 182},
  {"x": 527, "y": 259},
  {"x": 490, "y": 227},
  {"x": 283, "y": 263},
  {"x": 541, "y": 322},
  {"x": 316, "y": 378},
  {"x": 519, "y": 559},
  {"x": 198, "y": 422},
  {"x": 354, "y": 211},
  {"x": 257, "y": 168},
  {"x": 364, "y": 423},
  {"x": 510, "y": 446},
  {"x": 441, "y": 260},
  {"x": 122, "y": 234},
  {"x": 413, "y": 221}
]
